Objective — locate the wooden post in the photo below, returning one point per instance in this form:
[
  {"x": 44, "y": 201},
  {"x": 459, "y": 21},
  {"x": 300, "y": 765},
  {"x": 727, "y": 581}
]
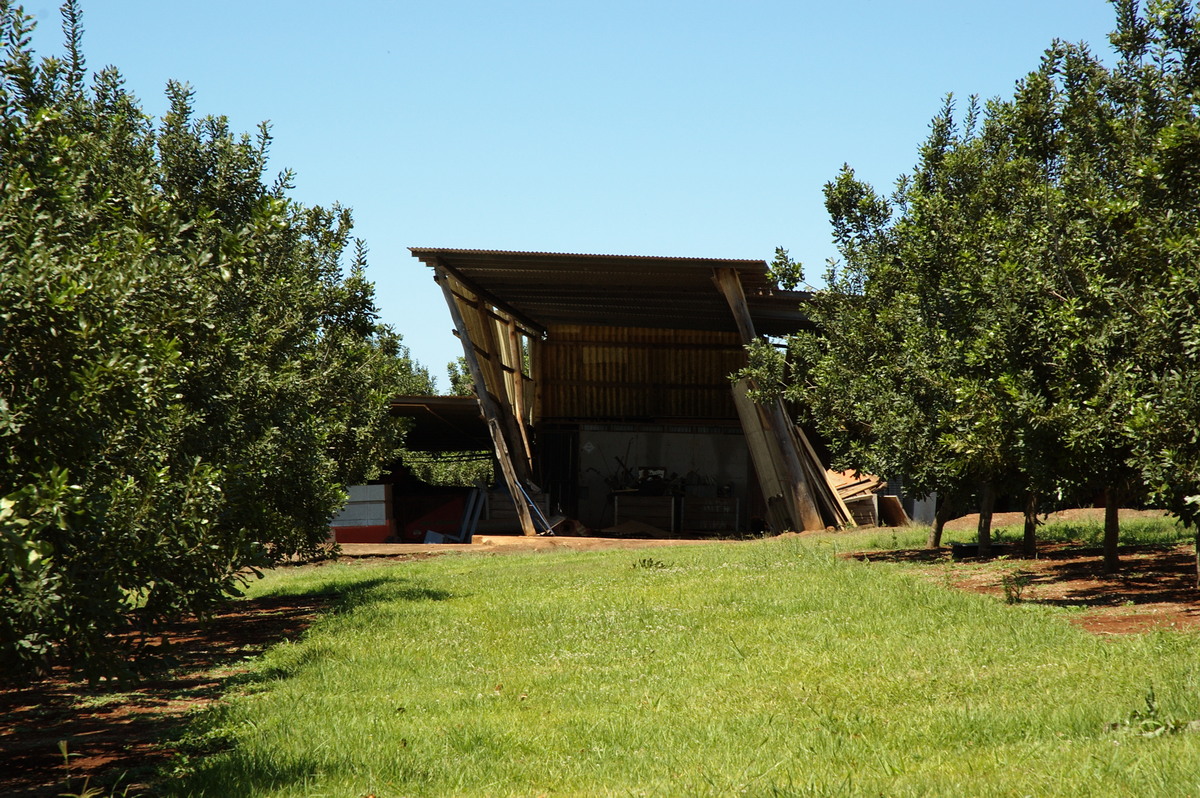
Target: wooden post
[
  {"x": 537, "y": 369},
  {"x": 487, "y": 405},
  {"x": 799, "y": 495}
]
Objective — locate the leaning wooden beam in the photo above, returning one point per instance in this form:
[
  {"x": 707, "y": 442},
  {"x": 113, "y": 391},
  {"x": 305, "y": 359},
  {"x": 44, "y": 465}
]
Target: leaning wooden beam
[
  {"x": 766, "y": 462},
  {"x": 839, "y": 509},
  {"x": 833, "y": 509},
  {"x": 799, "y": 495},
  {"x": 518, "y": 386},
  {"x": 487, "y": 405},
  {"x": 731, "y": 287},
  {"x": 481, "y": 326},
  {"x": 506, "y": 412},
  {"x": 468, "y": 284}
]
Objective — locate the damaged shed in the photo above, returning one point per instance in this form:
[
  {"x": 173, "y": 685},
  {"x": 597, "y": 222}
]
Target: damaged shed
[{"x": 604, "y": 383}]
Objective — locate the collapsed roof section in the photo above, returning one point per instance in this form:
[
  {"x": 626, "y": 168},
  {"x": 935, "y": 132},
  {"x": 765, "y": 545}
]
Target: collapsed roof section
[{"x": 555, "y": 338}]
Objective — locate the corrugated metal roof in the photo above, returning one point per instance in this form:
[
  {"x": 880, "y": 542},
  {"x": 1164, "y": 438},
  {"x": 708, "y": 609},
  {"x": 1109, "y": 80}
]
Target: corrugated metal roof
[{"x": 549, "y": 288}]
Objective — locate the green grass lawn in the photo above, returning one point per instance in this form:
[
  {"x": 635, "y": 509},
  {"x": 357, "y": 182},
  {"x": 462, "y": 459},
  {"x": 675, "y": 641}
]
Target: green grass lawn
[{"x": 762, "y": 668}]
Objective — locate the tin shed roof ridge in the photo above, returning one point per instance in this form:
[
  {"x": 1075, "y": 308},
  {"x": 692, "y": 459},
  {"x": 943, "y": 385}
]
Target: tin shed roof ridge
[{"x": 418, "y": 251}]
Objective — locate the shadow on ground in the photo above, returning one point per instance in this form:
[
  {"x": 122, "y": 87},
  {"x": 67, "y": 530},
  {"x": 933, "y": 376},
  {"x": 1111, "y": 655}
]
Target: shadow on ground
[
  {"x": 1155, "y": 586},
  {"x": 114, "y": 733}
]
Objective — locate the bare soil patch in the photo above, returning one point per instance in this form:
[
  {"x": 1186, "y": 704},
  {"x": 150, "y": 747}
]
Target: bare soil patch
[
  {"x": 1154, "y": 588},
  {"x": 116, "y": 735},
  {"x": 508, "y": 544},
  {"x": 1089, "y": 515}
]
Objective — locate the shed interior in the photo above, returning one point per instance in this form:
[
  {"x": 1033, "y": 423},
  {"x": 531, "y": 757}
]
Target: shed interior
[{"x": 604, "y": 384}]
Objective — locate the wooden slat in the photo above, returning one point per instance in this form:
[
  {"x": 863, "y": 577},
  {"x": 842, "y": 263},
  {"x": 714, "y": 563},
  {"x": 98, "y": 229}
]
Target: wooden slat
[
  {"x": 832, "y": 497},
  {"x": 488, "y": 406},
  {"x": 442, "y": 268},
  {"x": 472, "y": 299},
  {"x": 496, "y": 342},
  {"x": 516, "y": 388},
  {"x": 891, "y": 511}
]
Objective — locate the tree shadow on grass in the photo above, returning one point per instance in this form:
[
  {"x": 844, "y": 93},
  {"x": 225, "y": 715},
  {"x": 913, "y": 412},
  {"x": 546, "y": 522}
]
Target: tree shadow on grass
[
  {"x": 218, "y": 764},
  {"x": 1148, "y": 575},
  {"x": 344, "y": 596},
  {"x": 1072, "y": 575},
  {"x": 237, "y": 773},
  {"x": 341, "y": 598},
  {"x": 118, "y": 735},
  {"x": 113, "y": 731}
]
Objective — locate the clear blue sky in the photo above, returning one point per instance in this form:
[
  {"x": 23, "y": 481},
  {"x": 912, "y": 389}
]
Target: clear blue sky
[{"x": 638, "y": 127}]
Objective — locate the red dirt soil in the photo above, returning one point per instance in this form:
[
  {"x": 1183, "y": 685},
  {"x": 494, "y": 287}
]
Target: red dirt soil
[
  {"x": 115, "y": 735},
  {"x": 1154, "y": 588}
]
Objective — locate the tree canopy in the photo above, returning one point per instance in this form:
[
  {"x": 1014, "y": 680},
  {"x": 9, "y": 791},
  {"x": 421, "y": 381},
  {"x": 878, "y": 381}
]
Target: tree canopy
[
  {"x": 1020, "y": 314},
  {"x": 191, "y": 364}
]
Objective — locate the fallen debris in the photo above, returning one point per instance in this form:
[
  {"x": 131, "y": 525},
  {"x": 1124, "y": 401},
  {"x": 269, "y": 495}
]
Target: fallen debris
[
  {"x": 860, "y": 493},
  {"x": 853, "y": 484}
]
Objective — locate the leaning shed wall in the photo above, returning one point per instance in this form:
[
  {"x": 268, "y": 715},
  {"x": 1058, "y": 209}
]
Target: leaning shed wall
[{"x": 623, "y": 373}]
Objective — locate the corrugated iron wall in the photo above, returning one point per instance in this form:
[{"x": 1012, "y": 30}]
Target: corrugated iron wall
[{"x": 587, "y": 372}]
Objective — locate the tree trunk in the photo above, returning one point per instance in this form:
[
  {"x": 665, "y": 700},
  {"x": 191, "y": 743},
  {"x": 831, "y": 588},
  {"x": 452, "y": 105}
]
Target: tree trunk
[
  {"x": 1112, "y": 530},
  {"x": 987, "y": 503},
  {"x": 1029, "y": 544},
  {"x": 945, "y": 508},
  {"x": 1198, "y": 556}
]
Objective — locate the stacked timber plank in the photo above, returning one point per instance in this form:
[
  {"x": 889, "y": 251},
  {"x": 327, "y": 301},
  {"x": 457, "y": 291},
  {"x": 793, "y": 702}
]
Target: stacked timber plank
[
  {"x": 829, "y": 502},
  {"x": 793, "y": 480},
  {"x": 860, "y": 492},
  {"x": 853, "y": 484},
  {"x": 863, "y": 494}
]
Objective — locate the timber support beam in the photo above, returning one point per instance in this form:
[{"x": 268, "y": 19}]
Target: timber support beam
[
  {"x": 780, "y": 454},
  {"x": 511, "y": 468}
]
